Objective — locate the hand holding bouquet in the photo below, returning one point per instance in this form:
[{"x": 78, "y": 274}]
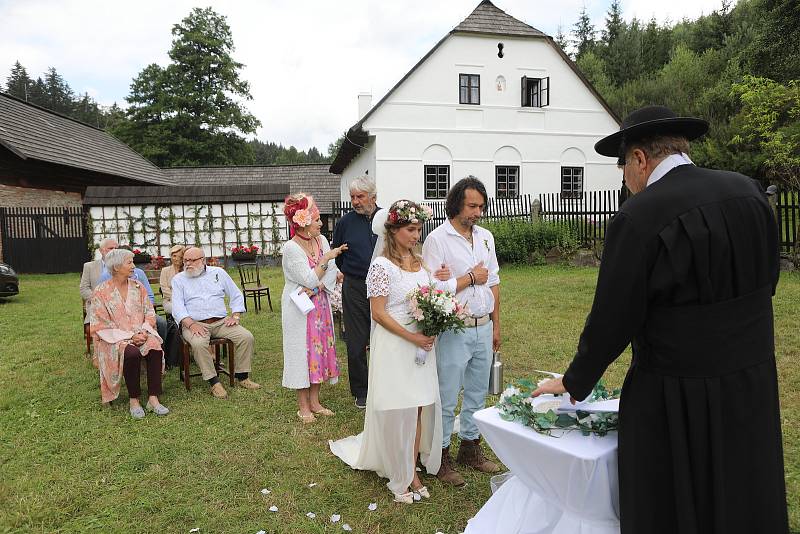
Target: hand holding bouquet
[{"x": 435, "y": 311}]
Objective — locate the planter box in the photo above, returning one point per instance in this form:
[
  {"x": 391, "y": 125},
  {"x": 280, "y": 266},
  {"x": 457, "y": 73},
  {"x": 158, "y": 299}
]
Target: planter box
[
  {"x": 244, "y": 256},
  {"x": 141, "y": 258}
]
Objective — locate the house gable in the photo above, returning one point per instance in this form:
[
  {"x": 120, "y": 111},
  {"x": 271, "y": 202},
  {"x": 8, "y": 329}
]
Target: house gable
[{"x": 469, "y": 46}]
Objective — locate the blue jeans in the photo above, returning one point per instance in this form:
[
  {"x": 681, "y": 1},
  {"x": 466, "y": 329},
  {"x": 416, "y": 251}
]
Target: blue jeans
[{"x": 463, "y": 359}]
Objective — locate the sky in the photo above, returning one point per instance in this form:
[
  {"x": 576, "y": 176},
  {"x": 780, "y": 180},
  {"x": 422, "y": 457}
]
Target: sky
[{"x": 306, "y": 60}]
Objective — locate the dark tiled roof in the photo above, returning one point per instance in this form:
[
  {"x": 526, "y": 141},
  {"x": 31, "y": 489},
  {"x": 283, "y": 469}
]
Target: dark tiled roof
[
  {"x": 163, "y": 195},
  {"x": 313, "y": 178},
  {"x": 488, "y": 18},
  {"x": 31, "y": 132}
]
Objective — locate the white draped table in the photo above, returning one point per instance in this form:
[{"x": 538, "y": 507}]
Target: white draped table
[{"x": 565, "y": 485}]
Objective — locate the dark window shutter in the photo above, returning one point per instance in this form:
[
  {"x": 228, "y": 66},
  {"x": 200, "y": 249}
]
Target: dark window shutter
[
  {"x": 525, "y": 98},
  {"x": 544, "y": 89}
]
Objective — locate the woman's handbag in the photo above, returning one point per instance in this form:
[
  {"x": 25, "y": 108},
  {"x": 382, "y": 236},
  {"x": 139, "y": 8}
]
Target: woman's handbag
[{"x": 496, "y": 375}]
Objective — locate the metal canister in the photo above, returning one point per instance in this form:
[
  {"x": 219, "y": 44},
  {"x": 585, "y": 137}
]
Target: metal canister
[{"x": 496, "y": 375}]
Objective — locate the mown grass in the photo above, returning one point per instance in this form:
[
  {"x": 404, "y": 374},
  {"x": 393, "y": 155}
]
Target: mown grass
[{"x": 70, "y": 466}]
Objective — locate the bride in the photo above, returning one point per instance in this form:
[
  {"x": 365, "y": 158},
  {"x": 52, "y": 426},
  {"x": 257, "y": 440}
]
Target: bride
[{"x": 403, "y": 419}]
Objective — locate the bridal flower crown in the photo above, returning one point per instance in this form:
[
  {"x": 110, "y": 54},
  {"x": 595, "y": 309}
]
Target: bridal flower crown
[{"x": 404, "y": 211}]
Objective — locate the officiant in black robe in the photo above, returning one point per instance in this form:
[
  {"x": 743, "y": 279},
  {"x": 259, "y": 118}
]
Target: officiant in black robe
[{"x": 688, "y": 273}]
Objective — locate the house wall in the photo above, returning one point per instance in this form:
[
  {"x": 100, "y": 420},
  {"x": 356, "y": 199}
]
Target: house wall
[
  {"x": 422, "y": 122},
  {"x": 28, "y": 197},
  {"x": 362, "y": 164}
]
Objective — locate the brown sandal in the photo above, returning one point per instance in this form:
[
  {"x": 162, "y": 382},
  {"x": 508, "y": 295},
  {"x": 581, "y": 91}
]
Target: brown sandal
[
  {"x": 306, "y": 418},
  {"x": 324, "y": 411}
]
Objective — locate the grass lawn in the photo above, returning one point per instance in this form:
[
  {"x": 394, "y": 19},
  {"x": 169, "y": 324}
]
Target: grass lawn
[{"x": 70, "y": 466}]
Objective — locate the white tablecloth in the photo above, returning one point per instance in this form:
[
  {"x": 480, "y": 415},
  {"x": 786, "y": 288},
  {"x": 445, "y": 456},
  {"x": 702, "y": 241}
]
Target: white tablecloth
[{"x": 563, "y": 485}]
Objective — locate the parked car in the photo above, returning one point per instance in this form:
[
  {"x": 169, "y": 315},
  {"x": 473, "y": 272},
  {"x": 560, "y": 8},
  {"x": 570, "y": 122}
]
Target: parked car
[{"x": 9, "y": 281}]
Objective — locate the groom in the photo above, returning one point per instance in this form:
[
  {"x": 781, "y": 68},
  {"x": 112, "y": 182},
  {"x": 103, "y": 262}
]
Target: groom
[{"x": 464, "y": 359}]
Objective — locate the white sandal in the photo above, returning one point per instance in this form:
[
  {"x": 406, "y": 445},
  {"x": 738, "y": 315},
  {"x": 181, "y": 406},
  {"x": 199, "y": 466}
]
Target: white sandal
[
  {"x": 422, "y": 491},
  {"x": 404, "y": 498}
]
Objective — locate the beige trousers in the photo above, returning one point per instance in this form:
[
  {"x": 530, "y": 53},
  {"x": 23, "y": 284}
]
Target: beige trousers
[{"x": 243, "y": 342}]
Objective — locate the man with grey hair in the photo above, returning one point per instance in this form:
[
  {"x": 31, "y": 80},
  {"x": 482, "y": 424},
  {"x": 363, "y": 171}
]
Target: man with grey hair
[
  {"x": 355, "y": 229},
  {"x": 198, "y": 306}
]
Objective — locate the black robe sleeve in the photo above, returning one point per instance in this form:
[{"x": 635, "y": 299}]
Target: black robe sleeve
[{"x": 618, "y": 311}]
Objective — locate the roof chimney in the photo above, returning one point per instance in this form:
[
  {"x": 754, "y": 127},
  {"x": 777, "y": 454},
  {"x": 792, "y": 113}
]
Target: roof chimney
[{"x": 364, "y": 104}]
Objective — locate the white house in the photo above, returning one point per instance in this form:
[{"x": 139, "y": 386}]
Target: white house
[{"x": 494, "y": 98}]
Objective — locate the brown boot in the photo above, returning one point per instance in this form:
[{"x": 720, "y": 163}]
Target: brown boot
[
  {"x": 446, "y": 473},
  {"x": 471, "y": 455}
]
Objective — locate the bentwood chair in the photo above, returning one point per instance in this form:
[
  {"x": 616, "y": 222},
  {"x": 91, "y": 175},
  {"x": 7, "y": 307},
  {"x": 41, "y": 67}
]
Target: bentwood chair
[{"x": 251, "y": 285}]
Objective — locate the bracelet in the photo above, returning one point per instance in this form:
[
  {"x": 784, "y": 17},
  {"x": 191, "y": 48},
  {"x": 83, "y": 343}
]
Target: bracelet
[
  {"x": 471, "y": 279},
  {"x": 324, "y": 266}
]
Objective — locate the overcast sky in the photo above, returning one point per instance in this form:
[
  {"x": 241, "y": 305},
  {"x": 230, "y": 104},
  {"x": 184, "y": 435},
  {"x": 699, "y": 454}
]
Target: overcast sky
[{"x": 306, "y": 60}]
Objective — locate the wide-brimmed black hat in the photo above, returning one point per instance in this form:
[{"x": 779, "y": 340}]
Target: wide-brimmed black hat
[{"x": 648, "y": 121}]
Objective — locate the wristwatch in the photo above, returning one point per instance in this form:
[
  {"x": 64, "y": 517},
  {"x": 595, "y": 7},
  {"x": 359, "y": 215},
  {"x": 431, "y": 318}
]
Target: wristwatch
[{"x": 324, "y": 266}]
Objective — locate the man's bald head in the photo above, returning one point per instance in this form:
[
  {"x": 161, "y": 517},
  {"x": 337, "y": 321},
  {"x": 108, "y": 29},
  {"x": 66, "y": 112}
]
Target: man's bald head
[{"x": 194, "y": 262}]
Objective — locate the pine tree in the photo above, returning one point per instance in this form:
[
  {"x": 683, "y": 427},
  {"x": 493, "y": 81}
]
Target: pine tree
[
  {"x": 58, "y": 94},
  {"x": 186, "y": 113},
  {"x": 584, "y": 34},
  {"x": 19, "y": 83}
]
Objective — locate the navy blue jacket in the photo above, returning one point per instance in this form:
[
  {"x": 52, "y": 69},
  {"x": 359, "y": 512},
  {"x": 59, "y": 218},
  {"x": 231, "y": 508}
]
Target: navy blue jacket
[{"x": 356, "y": 231}]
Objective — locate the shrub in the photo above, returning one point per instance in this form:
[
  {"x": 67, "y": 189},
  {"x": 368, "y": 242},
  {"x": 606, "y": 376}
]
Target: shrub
[{"x": 521, "y": 241}]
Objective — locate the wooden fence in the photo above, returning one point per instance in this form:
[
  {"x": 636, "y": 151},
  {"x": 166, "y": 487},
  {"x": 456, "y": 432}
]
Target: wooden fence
[
  {"x": 787, "y": 204},
  {"x": 588, "y": 214}
]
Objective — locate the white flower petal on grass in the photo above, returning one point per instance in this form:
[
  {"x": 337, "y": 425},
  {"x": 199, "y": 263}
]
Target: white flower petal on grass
[
  {"x": 265, "y": 491},
  {"x": 195, "y": 530},
  {"x": 372, "y": 506},
  {"x": 311, "y": 515},
  {"x": 273, "y": 508},
  {"x": 261, "y": 532},
  {"x": 335, "y": 518},
  {"x": 347, "y": 527},
  {"x": 312, "y": 484}
]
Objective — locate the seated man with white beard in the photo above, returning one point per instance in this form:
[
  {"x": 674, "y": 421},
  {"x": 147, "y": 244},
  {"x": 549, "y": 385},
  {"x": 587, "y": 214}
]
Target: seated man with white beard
[{"x": 198, "y": 306}]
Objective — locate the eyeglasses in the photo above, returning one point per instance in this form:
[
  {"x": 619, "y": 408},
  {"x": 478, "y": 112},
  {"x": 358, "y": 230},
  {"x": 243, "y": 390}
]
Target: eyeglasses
[{"x": 190, "y": 260}]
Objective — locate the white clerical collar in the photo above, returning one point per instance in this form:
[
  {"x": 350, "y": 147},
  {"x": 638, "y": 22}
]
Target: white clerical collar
[{"x": 666, "y": 165}]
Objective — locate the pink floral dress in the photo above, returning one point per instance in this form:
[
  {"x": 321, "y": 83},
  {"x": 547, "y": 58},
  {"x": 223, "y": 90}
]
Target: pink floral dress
[{"x": 320, "y": 340}]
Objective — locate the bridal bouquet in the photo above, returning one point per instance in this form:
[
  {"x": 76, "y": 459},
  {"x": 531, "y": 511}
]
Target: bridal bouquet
[{"x": 435, "y": 311}]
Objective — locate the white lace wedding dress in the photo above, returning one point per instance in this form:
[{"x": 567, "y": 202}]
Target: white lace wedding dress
[{"x": 397, "y": 388}]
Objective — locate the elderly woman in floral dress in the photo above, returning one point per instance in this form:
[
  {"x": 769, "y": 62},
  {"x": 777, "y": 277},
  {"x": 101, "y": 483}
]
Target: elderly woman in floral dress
[
  {"x": 123, "y": 325},
  {"x": 309, "y": 351}
]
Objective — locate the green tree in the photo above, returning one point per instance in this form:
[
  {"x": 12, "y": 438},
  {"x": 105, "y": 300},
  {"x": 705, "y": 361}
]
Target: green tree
[
  {"x": 774, "y": 54},
  {"x": 188, "y": 113},
  {"x": 334, "y": 147},
  {"x": 561, "y": 39},
  {"x": 583, "y": 34},
  {"x": 58, "y": 94},
  {"x": 19, "y": 83}
]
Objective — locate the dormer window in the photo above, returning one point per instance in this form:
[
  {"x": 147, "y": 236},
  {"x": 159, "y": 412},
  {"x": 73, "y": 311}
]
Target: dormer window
[
  {"x": 469, "y": 89},
  {"x": 535, "y": 92}
]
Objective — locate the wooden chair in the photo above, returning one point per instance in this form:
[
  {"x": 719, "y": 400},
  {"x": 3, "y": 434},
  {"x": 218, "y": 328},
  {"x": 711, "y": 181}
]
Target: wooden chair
[
  {"x": 251, "y": 285},
  {"x": 86, "y": 333},
  {"x": 159, "y": 306},
  {"x": 221, "y": 346}
]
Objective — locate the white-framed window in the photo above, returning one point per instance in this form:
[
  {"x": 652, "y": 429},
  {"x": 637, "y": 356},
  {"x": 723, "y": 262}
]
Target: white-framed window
[
  {"x": 571, "y": 182},
  {"x": 535, "y": 92},
  {"x": 506, "y": 181},
  {"x": 437, "y": 181}
]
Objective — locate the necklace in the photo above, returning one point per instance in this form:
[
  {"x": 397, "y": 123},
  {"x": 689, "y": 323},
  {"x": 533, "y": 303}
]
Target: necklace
[{"x": 303, "y": 237}]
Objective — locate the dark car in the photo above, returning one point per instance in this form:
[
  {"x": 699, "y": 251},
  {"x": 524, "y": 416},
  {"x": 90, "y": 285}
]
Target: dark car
[{"x": 9, "y": 281}]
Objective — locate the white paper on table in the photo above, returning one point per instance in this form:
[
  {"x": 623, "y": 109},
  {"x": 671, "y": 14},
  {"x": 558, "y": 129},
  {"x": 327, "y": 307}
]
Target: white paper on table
[
  {"x": 611, "y": 405},
  {"x": 302, "y": 301}
]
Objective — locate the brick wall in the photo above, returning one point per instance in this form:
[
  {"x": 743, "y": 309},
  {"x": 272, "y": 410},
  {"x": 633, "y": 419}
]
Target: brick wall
[{"x": 27, "y": 197}]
